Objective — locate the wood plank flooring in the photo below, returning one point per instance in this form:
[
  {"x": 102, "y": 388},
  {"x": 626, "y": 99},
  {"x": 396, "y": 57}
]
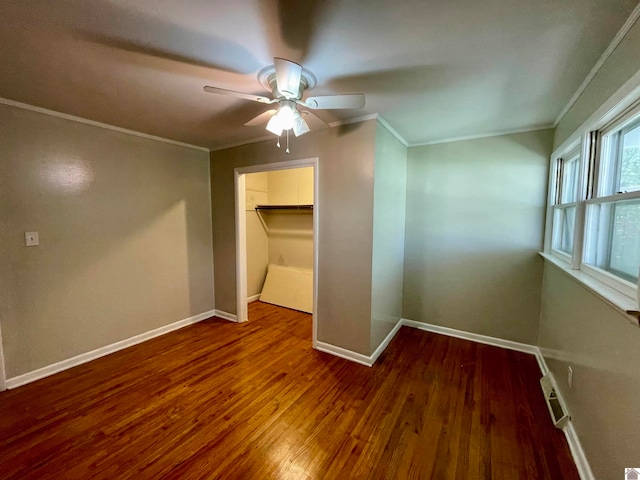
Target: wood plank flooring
[{"x": 255, "y": 401}]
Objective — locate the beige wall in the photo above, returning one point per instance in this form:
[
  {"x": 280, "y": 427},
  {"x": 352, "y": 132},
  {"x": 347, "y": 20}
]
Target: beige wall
[
  {"x": 474, "y": 225},
  {"x": 125, "y": 237},
  {"x": 256, "y": 191},
  {"x": 390, "y": 188},
  {"x": 578, "y": 329},
  {"x": 345, "y": 216},
  {"x": 620, "y": 67}
]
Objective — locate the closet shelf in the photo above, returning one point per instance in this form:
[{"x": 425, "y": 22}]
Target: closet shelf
[{"x": 305, "y": 208}]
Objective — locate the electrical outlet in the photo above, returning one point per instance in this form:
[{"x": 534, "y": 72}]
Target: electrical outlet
[
  {"x": 31, "y": 239},
  {"x": 570, "y": 377}
]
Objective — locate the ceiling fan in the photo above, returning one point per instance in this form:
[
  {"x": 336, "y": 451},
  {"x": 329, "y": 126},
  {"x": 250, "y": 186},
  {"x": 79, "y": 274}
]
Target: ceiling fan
[{"x": 288, "y": 81}]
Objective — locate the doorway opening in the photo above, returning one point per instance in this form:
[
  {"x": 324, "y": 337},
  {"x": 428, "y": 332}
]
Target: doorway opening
[{"x": 279, "y": 208}]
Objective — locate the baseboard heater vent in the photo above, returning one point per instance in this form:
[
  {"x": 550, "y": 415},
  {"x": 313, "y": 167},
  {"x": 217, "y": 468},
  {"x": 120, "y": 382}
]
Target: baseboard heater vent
[{"x": 557, "y": 411}]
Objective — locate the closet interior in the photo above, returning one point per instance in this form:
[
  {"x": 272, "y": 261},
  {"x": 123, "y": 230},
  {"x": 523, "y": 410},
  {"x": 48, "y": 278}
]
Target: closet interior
[{"x": 279, "y": 226}]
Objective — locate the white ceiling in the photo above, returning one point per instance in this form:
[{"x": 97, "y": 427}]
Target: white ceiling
[{"x": 434, "y": 69}]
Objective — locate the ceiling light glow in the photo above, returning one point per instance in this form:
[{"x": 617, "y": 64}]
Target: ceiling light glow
[
  {"x": 286, "y": 116},
  {"x": 275, "y": 125}
]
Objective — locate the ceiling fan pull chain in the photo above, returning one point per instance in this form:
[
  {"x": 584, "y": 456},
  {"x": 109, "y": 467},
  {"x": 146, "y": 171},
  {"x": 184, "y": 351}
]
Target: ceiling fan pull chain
[
  {"x": 278, "y": 144},
  {"x": 287, "y": 150}
]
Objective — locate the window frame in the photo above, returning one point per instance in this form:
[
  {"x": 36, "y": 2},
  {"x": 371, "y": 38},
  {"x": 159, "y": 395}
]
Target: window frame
[
  {"x": 572, "y": 154},
  {"x": 591, "y": 185},
  {"x": 624, "y": 124}
]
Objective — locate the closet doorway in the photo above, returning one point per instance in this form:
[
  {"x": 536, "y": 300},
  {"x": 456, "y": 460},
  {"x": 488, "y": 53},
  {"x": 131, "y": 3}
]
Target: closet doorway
[{"x": 277, "y": 220}]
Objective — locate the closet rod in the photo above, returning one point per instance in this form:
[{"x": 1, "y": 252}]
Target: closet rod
[{"x": 284, "y": 207}]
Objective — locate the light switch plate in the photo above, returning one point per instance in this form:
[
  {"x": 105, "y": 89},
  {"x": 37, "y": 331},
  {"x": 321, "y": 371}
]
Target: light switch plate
[{"x": 31, "y": 239}]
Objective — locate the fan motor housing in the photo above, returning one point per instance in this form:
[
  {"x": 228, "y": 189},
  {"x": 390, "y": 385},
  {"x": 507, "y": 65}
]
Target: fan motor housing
[{"x": 267, "y": 78}]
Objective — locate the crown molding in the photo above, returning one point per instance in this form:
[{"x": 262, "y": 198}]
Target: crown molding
[
  {"x": 392, "y": 131},
  {"x": 337, "y": 123},
  {"x": 73, "y": 118},
  {"x": 362, "y": 118},
  {"x": 373, "y": 116},
  {"x": 242, "y": 142},
  {"x": 400, "y": 138},
  {"x": 635, "y": 14},
  {"x": 533, "y": 128},
  {"x": 625, "y": 97}
]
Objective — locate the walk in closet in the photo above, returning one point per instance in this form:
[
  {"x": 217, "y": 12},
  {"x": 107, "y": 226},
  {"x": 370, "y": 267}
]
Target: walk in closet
[{"x": 279, "y": 226}]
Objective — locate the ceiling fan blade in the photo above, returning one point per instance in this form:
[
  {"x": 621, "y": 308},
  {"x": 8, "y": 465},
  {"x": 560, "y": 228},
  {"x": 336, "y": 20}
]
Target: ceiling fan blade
[
  {"x": 351, "y": 100},
  {"x": 233, "y": 93},
  {"x": 300, "y": 127},
  {"x": 260, "y": 119},
  {"x": 313, "y": 121},
  {"x": 141, "y": 53},
  {"x": 287, "y": 77}
]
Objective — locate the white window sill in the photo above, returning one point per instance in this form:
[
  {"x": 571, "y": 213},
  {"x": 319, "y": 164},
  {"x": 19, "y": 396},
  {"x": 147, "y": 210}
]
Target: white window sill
[{"x": 624, "y": 304}]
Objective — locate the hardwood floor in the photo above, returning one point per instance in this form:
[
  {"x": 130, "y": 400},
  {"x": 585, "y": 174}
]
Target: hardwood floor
[{"x": 255, "y": 401}]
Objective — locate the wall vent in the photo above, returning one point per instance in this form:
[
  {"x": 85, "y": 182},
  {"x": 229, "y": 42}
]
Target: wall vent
[{"x": 557, "y": 411}]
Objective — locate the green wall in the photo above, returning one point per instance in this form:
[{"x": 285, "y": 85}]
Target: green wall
[{"x": 474, "y": 227}]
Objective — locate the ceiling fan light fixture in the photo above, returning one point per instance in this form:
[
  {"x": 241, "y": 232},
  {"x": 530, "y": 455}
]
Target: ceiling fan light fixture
[
  {"x": 288, "y": 82},
  {"x": 300, "y": 127},
  {"x": 284, "y": 118},
  {"x": 286, "y": 114},
  {"x": 275, "y": 125}
]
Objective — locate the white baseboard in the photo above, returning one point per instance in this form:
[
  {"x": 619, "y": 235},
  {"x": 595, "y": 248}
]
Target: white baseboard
[
  {"x": 225, "y": 315},
  {"x": 3, "y": 376},
  {"x": 485, "y": 339},
  {"x": 474, "y": 337},
  {"x": 579, "y": 458},
  {"x": 102, "y": 351},
  {"x": 253, "y": 298},
  {"x": 344, "y": 353},
  {"x": 385, "y": 343},
  {"x": 358, "y": 357}
]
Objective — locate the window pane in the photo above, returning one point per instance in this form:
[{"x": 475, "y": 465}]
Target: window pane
[
  {"x": 568, "y": 222},
  {"x": 564, "y": 220},
  {"x": 630, "y": 162},
  {"x": 614, "y": 238},
  {"x": 625, "y": 240},
  {"x": 569, "y": 187}
]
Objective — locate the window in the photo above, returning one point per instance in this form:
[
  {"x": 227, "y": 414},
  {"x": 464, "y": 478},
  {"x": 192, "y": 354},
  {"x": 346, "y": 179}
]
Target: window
[
  {"x": 621, "y": 161},
  {"x": 612, "y": 234},
  {"x": 596, "y": 204},
  {"x": 566, "y": 201}
]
